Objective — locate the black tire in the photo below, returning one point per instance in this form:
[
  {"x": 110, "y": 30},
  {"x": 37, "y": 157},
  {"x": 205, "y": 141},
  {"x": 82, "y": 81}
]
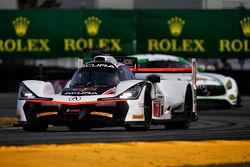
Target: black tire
[
  {"x": 238, "y": 103},
  {"x": 147, "y": 113},
  {"x": 187, "y": 115},
  {"x": 78, "y": 128},
  {"x": 147, "y": 109},
  {"x": 35, "y": 127}
]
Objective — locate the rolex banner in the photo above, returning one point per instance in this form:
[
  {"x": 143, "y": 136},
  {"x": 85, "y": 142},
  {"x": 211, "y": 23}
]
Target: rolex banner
[
  {"x": 65, "y": 33},
  {"x": 200, "y": 33},
  {"x": 73, "y": 33}
]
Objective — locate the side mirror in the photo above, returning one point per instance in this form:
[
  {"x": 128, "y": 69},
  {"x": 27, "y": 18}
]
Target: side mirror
[{"x": 154, "y": 78}]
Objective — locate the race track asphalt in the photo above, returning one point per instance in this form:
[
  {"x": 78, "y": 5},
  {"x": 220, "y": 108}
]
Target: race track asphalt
[{"x": 213, "y": 124}]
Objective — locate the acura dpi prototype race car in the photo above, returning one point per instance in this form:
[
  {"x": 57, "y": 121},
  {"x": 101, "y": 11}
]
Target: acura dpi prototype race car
[
  {"x": 210, "y": 86},
  {"x": 104, "y": 92}
]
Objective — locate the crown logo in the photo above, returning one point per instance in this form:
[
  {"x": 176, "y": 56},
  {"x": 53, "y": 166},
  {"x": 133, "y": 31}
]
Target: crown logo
[
  {"x": 175, "y": 25},
  {"x": 21, "y": 25},
  {"x": 92, "y": 25},
  {"x": 245, "y": 25}
]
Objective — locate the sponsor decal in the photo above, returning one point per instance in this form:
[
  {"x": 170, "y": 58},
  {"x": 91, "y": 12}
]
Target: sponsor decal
[
  {"x": 138, "y": 116},
  {"x": 74, "y": 110},
  {"x": 80, "y": 93},
  {"x": 157, "y": 111},
  {"x": 46, "y": 114},
  {"x": 102, "y": 114},
  {"x": 99, "y": 65},
  {"x": 75, "y": 98}
]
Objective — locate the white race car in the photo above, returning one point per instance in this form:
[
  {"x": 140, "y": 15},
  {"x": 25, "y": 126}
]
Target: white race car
[
  {"x": 210, "y": 86},
  {"x": 102, "y": 93}
]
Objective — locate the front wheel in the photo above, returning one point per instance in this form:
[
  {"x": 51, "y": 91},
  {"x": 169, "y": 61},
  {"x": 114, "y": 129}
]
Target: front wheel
[
  {"x": 187, "y": 114},
  {"x": 147, "y": 113},
  {"x": 147, "y": 109}
]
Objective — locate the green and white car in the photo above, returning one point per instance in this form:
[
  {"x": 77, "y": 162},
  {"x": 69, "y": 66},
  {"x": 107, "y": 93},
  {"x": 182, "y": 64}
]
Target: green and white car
[{"x": 210, "y": 86}]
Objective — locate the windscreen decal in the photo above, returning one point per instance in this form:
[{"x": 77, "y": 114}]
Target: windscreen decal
[{"x": 99, "y": 65}]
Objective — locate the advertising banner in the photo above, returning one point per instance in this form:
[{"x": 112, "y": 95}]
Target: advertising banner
[
  {"x": 64, "y": 33},
  {"x": 194, "y": 33},
  {"x": 49, "y": 33}
]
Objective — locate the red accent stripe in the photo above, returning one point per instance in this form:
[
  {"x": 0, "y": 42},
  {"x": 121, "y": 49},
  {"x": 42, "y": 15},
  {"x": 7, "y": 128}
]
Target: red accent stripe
[
  {"x": 133, "y": 69},
  {"x": 164, "y": 69},
  {"x": 110, "y": 91},
  {"x": 74, "y": 103}
]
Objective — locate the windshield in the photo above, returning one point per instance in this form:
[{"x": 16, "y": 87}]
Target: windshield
[
  {"x": 87, "y": 77},
  {"x": 163, "y": 64}
]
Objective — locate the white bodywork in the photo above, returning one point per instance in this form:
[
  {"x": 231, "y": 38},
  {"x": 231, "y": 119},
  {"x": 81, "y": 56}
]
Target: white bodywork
[
  {"x": 231, "y": 93},
  {"x": 204, "y": 79},
  {"x": 169, "y": 94}
]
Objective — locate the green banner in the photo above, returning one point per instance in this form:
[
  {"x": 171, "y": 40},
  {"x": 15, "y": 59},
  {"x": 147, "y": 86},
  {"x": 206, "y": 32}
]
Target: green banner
[
  {"x": 65, "y": 33},
  {"x": 69, "y": 33},
  {"x": 200, "y": 33}
]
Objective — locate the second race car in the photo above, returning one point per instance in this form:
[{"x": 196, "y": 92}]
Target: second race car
[{"x": 211, "y": 87}]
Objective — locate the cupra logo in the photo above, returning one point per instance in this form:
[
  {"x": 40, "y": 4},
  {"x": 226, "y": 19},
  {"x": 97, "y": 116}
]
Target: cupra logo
[
  {"x": 21, "y": 25},
  {"x": 175, "y": 26},
  {"x": 245, "y": 25},
  {"x": 92, "y": 25}
]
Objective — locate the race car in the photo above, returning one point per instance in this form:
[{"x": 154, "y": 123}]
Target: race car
[
  {"x": 104, "y": 92},
  {"x": 211, "y": 87}
]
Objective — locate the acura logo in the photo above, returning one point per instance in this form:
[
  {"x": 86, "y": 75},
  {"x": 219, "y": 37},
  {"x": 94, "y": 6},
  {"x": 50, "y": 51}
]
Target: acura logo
[{"x": 75, "y": 98}]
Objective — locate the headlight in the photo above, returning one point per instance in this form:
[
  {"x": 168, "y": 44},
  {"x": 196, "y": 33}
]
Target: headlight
[
  {"x": 229, "y": 84},
  {"x": 132, "y": 93},
  {"x": 25, "y": 93}
]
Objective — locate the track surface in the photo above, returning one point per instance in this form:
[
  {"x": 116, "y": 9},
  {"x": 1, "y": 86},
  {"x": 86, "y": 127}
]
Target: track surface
[{"x": 213, "y": 124}]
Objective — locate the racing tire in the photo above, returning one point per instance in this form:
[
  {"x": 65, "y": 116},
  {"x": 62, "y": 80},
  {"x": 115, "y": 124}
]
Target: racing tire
[
  {"x": 147, "y": 109},
  {"x": 187, "y": 115},
  {"x": 78, "y": 128},
  {"x": 35, "y": 127},
  {"x": 238, "y": 102},
  {"x": 147, "y": 113}
]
